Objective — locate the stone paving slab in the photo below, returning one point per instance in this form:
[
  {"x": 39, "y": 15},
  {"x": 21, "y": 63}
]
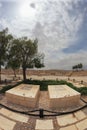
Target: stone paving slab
[
  {"x": 80, "y": 115},
  {"x": 82, "y": 125},
  {"x": 66, "y": 119},
  {"x": 14, "y": 116},
  {"x": 6, "y": 124},
  {"x": 44, "y": 125},
  {"x": 85, "y": 111},
  {"x": 1, "y": 129},
  {"x": 72, "y": 127}
]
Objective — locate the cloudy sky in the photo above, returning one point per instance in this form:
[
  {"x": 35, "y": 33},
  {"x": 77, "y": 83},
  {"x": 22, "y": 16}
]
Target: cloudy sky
[{"x": 59, "y": 25}]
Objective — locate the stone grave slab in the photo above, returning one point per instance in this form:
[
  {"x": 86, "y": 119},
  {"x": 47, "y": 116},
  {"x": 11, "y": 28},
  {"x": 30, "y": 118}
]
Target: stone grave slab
[
  {"x": 62, "y": 96},
  {"x": 24, "y": 94}
]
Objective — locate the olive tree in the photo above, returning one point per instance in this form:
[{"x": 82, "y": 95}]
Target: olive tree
[
  {"x": 4, "y": 40},
  {"x": 13, "y": 63},
  {"x": 25, "y": 51}
]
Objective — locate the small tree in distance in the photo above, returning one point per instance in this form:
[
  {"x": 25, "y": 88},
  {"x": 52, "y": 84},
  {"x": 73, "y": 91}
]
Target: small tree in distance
[
  {"x": 80, "y": 66},
  {"x": 77, "y": 67}
]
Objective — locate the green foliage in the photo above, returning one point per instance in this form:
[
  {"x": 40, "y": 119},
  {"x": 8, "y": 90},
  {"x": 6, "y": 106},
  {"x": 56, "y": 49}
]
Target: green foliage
[
  {"x": 76, "y": 67},
  {"x": 7, "y": 87},
  {"x": 80, "y": 66},
  {"x": 20, "y": 52},
  {"x": 39, "y": 61},
  {"x": 82, "y": 90},
  {"x": 44, "y": 85},
  {"x": 23, "y": 52},
  {"x": 13, "y": 63},
  {"x": 5, "y": 38}
]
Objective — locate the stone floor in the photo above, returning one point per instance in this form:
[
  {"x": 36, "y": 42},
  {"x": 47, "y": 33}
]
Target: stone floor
[{"x": 14, "y": 121}]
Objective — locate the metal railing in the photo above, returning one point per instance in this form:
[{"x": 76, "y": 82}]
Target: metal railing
[{"x": 41, "y": 112}]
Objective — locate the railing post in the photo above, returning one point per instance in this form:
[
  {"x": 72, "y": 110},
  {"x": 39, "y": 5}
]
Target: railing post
[{"x": 41, "y": 113}]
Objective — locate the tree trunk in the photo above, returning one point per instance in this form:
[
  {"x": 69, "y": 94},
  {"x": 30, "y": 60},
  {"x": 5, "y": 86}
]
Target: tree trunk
[
  {"x": 24, "y": 73},
  {"x": 14, "y": 73},
  {"x": 0, "y": 73}
]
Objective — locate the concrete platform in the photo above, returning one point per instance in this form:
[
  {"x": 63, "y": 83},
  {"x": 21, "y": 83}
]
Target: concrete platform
[
  {"x": 24, "y": 94},
  {"x": 62, "y": 96}
]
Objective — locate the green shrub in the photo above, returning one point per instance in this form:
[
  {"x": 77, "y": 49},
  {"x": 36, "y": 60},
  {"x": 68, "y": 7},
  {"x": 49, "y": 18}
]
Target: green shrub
[
  {"x": 44, "y": 85},
  {"x": 5, "y": 88},
  {"x": 83, "y": 90}
]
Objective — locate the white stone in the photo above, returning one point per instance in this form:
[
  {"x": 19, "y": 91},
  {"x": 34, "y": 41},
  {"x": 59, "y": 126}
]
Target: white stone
[
  {"x": 44, "y": 125},
  {"x": 6, "y": 124},
  {"x": 24, "y": 94},
  {"x": 72, "y": 127},
  {"x": 82, "y": 125},
  {"x": 14, "y": 116},
  {"x": 62, "y": 96},
  {"x": 66, "y": 120},
  {"x": 80, "y": 115}
]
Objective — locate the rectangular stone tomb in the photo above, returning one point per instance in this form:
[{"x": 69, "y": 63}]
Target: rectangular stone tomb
[
  {"x": 24, "y": 94},
  {"x": 62, "y": 96}
]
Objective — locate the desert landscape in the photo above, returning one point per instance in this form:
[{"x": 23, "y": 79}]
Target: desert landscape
[
  {"x": 76, "y": 76},
  {"x": 75, "y": 120}
]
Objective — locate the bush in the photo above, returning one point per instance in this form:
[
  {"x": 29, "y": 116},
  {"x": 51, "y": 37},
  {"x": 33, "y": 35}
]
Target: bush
[
  {"x": 44, "y": 85},
  {"x": 5, "y": 88},
  {"x": 83, "y": 90}
]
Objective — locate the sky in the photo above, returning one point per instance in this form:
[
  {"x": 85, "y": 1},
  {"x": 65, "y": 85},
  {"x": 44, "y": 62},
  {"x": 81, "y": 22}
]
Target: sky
[{"x": 59, "y": 25}]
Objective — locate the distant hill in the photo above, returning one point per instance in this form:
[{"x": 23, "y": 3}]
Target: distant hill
[{"x": 48, "y": 72}]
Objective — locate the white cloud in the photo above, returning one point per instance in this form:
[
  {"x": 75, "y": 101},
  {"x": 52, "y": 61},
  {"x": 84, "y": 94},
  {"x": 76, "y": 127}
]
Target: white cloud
[
  {"x": 51, "y": 22},
  {"x": 54, "y": 19},
  {"x": 66, "y": 61},
  {"x": 56, "y": 29}
]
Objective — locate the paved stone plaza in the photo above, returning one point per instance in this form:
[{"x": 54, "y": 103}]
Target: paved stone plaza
[
  {"x": 66, "y": 122},
  {"x": 14, "y": 121}
]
